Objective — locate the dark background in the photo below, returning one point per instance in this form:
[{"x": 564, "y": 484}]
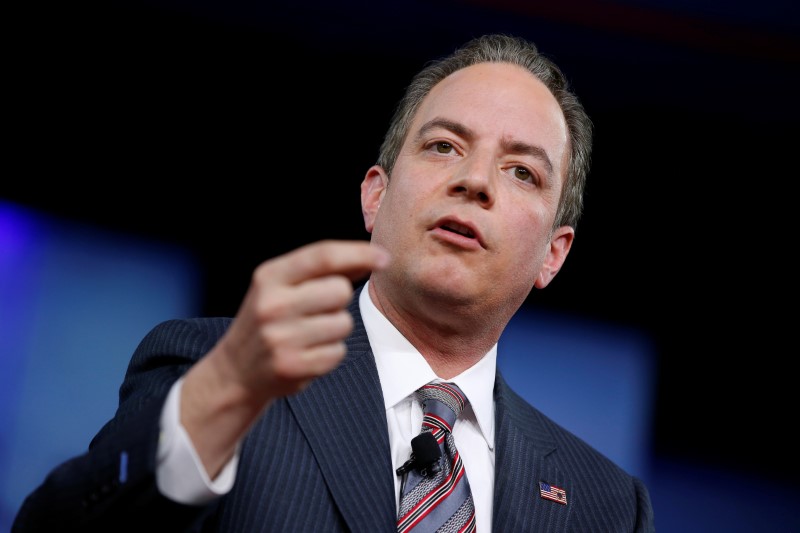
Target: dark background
[{"x": 241, "y": 130}]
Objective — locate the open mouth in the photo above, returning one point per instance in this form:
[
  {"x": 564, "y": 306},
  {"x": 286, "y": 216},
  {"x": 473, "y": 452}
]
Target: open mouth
[{"x": 459, "y": 229}]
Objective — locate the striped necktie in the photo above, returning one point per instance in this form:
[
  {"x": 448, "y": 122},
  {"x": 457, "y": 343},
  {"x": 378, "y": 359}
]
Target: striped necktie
[{"x": 440, "y": 502}]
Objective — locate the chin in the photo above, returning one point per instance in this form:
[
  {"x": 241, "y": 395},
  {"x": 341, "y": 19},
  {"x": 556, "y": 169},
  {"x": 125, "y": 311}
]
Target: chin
[{"x": 454, "y": 289}]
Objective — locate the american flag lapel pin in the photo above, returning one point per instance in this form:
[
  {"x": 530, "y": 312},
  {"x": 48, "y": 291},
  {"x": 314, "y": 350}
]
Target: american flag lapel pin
[{"x": 550, "y": 492}]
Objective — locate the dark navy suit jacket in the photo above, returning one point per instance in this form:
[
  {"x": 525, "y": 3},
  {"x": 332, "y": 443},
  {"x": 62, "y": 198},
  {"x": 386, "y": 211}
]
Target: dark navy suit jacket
[{"x": 318, "y": 461}]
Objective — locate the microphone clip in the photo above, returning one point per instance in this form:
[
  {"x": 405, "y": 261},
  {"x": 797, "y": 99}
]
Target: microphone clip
[{"x": 425, "y": 455}]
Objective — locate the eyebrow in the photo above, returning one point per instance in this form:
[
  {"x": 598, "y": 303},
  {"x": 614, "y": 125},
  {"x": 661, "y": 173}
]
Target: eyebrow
[
  {"x": 514, "y": 147},
  {"x": 519, "y": 147},
  {"x": 451, "y": 125}
]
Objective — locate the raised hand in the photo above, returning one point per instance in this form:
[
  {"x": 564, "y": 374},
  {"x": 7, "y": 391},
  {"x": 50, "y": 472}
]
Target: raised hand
[{"x": 289, "y": 330}]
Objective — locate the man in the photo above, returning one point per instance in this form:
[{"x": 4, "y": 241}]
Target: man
[{"x": 296, "y": 414}]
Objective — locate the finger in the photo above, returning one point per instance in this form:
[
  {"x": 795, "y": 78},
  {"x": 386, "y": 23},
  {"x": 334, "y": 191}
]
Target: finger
[
  {"x": 318, "y": 295},
  {"x": 306, "y": 332},
  {"x": 308, "y": 363},
  {"x": 308, "y": 347},
  {"x": 353, "y": 259}
]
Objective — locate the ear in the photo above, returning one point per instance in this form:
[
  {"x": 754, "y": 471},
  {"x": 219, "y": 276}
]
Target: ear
[
  {"x": 372, "y": 190},
  {"x": 560, "y": 244}
]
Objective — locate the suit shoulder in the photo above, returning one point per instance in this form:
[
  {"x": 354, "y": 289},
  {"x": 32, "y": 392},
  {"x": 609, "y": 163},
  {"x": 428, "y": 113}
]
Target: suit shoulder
[
  {"x": 551, "y": 435},
  {"x": 606, "y": 485},
  {"x": 190, "y": 337},
  {"x": 170, "y": 348}
]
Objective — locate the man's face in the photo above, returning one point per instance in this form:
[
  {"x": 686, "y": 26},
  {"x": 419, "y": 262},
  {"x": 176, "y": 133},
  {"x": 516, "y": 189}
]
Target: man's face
[{"x": 468, "y": 211}]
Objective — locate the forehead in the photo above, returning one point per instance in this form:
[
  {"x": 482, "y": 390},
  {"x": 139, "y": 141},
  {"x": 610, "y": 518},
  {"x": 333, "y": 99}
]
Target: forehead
[{"x": 498, "y": 100}]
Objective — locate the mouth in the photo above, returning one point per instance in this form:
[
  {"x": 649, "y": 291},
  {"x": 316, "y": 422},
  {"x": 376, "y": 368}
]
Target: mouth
[{"x": 459, "y": 230}]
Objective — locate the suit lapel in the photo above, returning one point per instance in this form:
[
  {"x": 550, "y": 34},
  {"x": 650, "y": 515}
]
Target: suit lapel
[
  {"x": 524, "y": 456},
  {"x": 343, "y": 417}
]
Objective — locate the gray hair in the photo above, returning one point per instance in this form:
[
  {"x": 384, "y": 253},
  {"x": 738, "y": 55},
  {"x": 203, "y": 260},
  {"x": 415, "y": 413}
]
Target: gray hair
[{"x": 517, "y": 51}]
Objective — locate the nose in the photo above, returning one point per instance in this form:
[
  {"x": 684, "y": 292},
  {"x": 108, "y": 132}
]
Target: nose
[{"x": 475, "y": 179}]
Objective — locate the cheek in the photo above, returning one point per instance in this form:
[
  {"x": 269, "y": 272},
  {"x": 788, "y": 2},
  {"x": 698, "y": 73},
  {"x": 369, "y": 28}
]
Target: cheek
[
  {"x": 404, "y": 196},
  {"x": 530, "y": 234},
  {"x": 396, "y": 207}
]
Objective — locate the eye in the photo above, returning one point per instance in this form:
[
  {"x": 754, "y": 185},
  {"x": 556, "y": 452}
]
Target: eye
[
  {"x": 523, "y": 174},
  {"x": 443, "y": 147}
]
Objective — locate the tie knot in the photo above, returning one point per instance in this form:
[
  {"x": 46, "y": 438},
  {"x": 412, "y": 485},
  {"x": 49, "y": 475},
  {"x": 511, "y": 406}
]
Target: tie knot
[{"x": 442, "y": 401}]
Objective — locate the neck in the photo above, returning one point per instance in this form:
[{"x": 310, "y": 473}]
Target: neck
[{"x": 451, "y": 339}]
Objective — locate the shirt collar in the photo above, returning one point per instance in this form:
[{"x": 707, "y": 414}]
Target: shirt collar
[{"x": 402, "y": 369}]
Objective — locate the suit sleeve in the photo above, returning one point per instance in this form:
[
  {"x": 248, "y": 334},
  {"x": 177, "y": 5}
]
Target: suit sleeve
[{"x": 112, "y": 486}]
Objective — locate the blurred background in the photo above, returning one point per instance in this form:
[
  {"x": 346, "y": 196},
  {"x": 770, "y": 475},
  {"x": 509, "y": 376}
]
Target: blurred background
[{"x": 157, "y": 151}]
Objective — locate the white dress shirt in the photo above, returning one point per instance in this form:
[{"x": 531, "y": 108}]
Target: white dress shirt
[{"x": 402, "y": 370}]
